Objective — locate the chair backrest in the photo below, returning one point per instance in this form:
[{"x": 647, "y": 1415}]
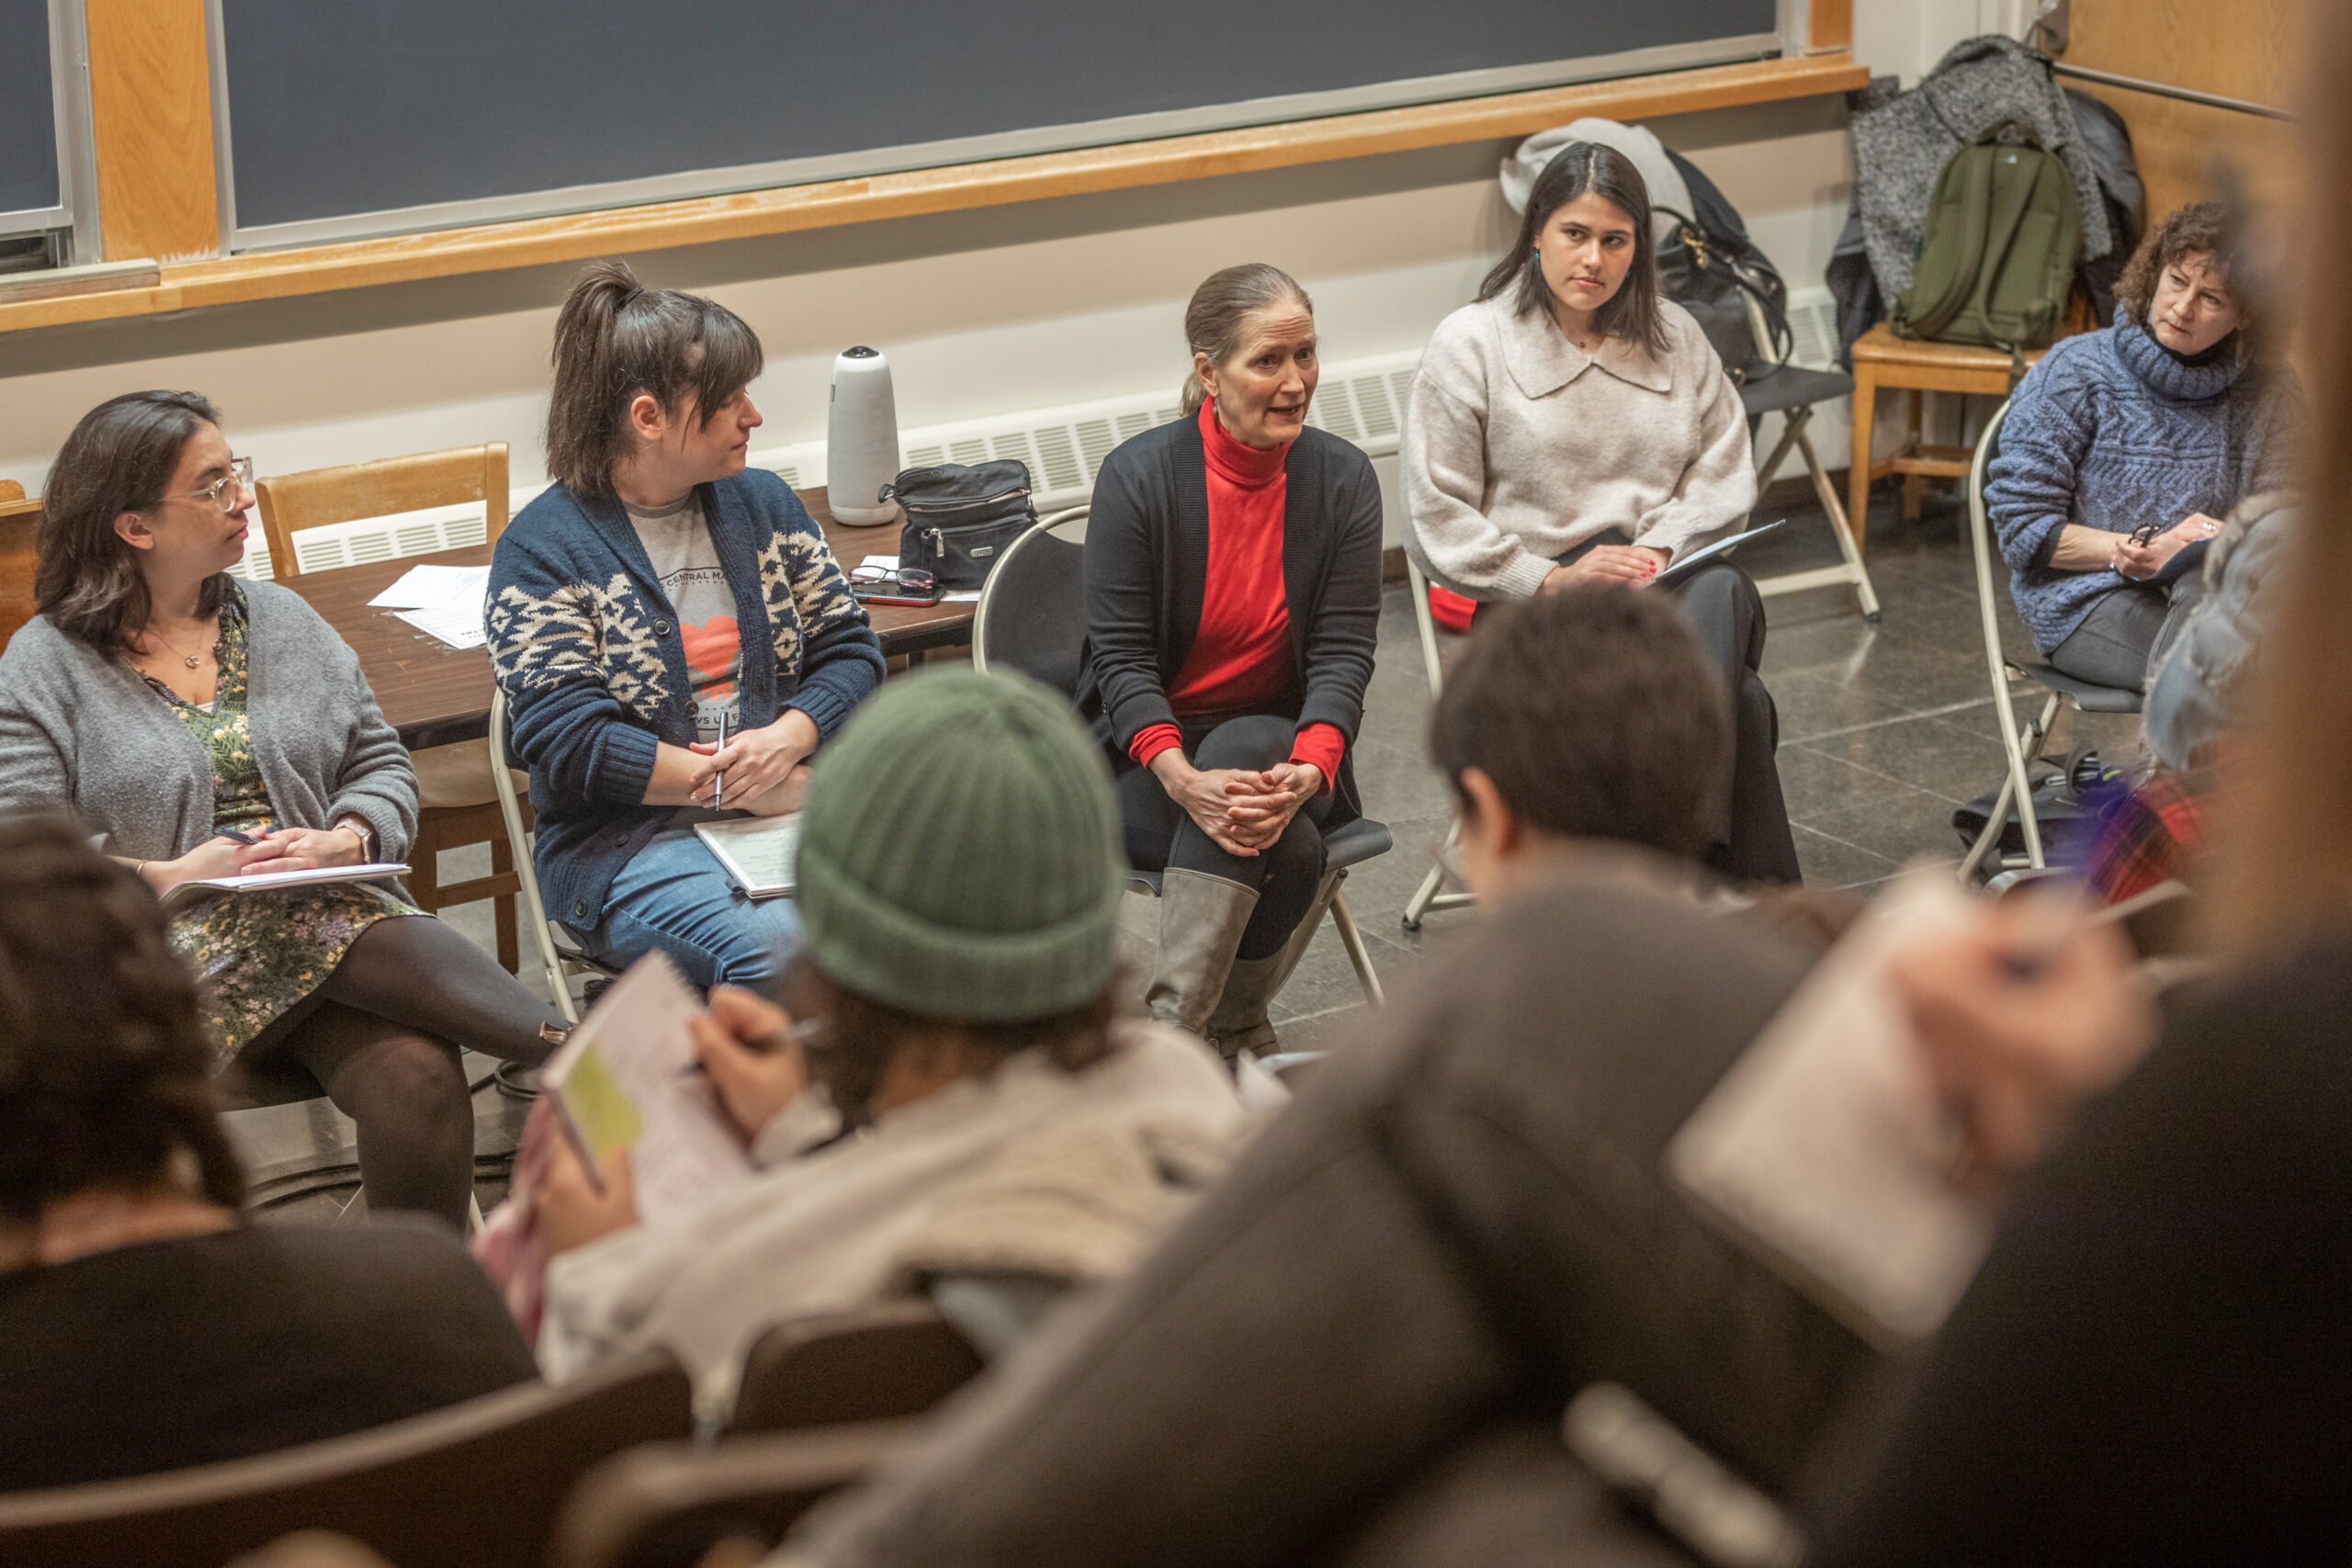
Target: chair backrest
[
  {"x": 884, "y": 1361},
  {"x": 1980, "y": 539},
  {"x": 316, "y": 498},
  {"x": 1032, "y": 613},
  {"x": 668, "y": 1505},
  {"x": 477, "y": 1484},
  {"x": 19, "y": 556}
]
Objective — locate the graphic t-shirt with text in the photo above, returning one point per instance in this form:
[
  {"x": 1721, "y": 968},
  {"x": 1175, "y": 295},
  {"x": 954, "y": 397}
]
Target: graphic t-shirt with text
[{"x": 686, "y": 563}]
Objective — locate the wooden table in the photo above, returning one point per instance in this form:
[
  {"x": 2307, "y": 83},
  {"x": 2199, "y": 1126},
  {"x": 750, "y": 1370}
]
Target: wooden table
[
  {"x": 437, "y": 696},
  {"x": 1881, "y": 359}
]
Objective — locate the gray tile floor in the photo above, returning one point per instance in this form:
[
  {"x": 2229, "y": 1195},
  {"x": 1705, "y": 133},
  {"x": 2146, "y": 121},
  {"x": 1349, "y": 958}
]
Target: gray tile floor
[{"x": 1885, "y": 729}]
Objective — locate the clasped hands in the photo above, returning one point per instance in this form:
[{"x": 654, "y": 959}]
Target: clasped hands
[
  {"x": 287, "y": 849},
  {"x": 1631, "y": 564},
  {"x": 764, "y": 768},
  {"x": 754, "y": 1068},
  {"x": 1243, "y": 810},
  {"x": 2140, "y": 562}
]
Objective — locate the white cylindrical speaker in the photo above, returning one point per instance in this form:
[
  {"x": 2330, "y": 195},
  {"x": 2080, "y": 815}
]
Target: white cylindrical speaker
[{"x": 862, "y": 438}]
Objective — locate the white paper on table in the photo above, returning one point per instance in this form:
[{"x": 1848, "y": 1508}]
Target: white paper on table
[
  {"x": 459, "y": 626},
  {"x": 687, "y": 1152},
  {"x": 1824, "y": 1148},
  {"x": 885, "y": 563},
  {"x": 964, "y": 597},
  {"x": 436, "y": 588}
]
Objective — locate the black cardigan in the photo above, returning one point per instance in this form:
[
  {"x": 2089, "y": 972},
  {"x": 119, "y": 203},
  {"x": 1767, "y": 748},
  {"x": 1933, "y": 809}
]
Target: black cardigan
[{"x": 1147, "y": 570}]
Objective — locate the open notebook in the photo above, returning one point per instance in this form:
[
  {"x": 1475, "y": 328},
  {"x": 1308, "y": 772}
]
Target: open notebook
[
  {"x": 185, "y": 893},
  {"x": 758, "y": 852}
]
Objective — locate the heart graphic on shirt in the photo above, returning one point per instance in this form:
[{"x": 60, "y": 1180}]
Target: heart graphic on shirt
[{"x": 711, "y": 647}]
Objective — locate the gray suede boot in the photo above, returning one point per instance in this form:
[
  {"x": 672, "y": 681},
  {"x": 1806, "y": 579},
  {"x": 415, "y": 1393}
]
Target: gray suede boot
[
  {"x": 1240, "y": 1023},
  {"x": 1201, "y": 917}
]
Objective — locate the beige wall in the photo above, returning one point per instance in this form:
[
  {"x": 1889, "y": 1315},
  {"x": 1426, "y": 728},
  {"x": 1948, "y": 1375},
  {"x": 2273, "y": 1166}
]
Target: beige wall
[{"x": 980, "y": 314}]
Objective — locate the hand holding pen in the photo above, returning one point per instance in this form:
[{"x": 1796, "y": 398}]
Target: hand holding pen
[{"x": 751, "y": 1050}]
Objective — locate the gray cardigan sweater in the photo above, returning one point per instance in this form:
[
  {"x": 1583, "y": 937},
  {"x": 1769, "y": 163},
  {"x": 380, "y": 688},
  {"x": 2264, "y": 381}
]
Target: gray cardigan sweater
[{"x": 82, "y": 732}]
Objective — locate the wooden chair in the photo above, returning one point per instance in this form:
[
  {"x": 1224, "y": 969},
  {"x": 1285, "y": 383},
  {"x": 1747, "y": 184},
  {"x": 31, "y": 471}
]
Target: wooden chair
[
  {"x": 894, "y": 1359},
  {"x": 672, "y": 1506},
  {"x": 477, "y": 1485},
  {"x": 457, "y": 799},
  {"x": 19, "y": 530},
  {"x": 1884, "y": 360}
]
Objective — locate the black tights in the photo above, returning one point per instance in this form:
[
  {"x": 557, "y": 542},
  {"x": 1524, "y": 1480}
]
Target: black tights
[
  {"x": 1161, "y": 835},
  {"x": 381, "y": 1035}
]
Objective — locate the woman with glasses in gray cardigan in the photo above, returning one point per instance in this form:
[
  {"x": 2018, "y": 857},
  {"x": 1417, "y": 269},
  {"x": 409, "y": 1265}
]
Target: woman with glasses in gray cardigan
[{"x": 206, "y": 728}]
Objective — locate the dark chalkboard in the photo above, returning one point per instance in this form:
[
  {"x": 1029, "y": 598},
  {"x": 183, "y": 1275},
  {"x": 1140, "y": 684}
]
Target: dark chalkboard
[
  {"x": 345, "y": 108},
  {"x": 28, "y": 175}
]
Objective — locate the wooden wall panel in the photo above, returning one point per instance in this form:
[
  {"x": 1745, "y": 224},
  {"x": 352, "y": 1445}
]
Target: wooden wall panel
[
  {"x": 1829, "y": 25},
  {"x": 151, "y": 112},
  {"x": 2243, "y": 49}
]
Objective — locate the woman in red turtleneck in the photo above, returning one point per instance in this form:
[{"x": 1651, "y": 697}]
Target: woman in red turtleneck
[{"x": 1232, "y": 604}]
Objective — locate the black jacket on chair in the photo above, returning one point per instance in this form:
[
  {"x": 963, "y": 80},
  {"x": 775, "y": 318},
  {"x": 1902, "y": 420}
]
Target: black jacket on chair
[{"x": 1147, "y": 572}]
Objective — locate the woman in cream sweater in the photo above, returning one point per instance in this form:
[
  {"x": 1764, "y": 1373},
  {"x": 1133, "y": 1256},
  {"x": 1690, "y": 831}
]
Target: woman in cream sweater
[{"x": 1571, "y": 428}]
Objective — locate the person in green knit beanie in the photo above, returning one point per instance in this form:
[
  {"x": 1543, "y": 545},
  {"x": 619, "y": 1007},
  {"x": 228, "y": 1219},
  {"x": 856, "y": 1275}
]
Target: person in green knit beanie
[{"x": 959, "y": 881}]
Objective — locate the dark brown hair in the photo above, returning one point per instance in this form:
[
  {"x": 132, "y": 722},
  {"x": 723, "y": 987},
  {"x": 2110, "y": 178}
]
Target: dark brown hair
[
  {"x": 120, "y": 458},
  {"x": 861, "y": 1035},
  {"x": 2201, "y": 229},
  {"x": 613, "y": 340},
  {"x": 104, "y": 1072},
  {"x": 2284, "y": 841},
  {"x": 1221, "y": 309},
  {"x": 1597, "y": 715},
  {"x": 1578, "y": 169}
]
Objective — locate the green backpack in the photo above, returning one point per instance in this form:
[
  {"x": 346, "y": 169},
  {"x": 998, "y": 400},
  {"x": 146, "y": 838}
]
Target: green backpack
[{"x": 1997, "y": 256}]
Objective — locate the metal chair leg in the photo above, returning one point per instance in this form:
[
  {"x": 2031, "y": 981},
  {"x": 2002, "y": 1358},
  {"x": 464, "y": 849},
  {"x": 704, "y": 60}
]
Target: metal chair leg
[
  {"x": 1428, "y": 896},
  {"x": 1419, "y": 586},
  {"x": 1839, "y": 523},
  {"x": 1352, "y": 939}
]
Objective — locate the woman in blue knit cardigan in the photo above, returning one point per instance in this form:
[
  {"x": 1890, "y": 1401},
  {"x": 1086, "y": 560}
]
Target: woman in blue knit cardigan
[
  {"x": 2167, "y": 418},
  {"x": 664, "y": 622}
]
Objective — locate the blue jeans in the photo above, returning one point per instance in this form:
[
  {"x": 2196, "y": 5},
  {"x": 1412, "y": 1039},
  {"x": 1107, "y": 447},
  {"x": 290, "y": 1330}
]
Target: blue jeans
[{"x": 674, "y": 895}]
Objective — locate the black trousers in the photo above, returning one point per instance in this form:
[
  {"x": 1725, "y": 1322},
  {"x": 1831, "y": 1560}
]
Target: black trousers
[
  {"x": 381, "y": 1036},
  {"x": 1752, "y": 842},
  {"x": 1161, "y": 835}
]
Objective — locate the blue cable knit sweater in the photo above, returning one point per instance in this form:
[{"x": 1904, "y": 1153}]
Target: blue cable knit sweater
[
  {"x": 2111, "y": 431},
  {"x": 587, "y": 649}
]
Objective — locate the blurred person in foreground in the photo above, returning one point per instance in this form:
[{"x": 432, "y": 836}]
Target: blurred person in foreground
[{"x": 144, "y": 1325}]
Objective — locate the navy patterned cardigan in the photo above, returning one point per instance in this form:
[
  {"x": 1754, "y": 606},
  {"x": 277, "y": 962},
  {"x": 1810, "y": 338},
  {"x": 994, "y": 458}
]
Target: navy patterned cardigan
[{"x": 587, "y": 649}]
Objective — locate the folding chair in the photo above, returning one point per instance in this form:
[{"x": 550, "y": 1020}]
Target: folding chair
[
  {"x": 563, "y": 954},
  {"x": 2083, "y": 696},
  {"x": 1031, "y": 618},
  {"x": 477, "y": 1485},
  {"x": 1794, "y": 392},
  {"x": 453, "y": 785},
  {"x": 892, "y": 1359}
]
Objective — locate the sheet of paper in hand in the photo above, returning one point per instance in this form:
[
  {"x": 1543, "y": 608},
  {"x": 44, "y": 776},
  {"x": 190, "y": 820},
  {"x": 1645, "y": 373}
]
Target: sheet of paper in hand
[
  {"x": 1825, "y": 1150},
  {"x": 626, "y": 1079}
]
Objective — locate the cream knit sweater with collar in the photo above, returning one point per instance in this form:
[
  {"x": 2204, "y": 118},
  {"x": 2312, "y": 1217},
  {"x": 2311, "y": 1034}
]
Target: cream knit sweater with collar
[{"x": 1519, "y": 446}]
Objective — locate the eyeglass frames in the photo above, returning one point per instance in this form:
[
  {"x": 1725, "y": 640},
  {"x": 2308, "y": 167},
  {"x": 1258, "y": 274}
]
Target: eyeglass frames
[{"x": 230, "y": 489}]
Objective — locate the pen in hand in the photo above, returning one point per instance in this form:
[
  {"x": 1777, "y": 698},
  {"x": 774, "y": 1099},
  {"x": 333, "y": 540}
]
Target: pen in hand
[{"x": 719, "y": 779}]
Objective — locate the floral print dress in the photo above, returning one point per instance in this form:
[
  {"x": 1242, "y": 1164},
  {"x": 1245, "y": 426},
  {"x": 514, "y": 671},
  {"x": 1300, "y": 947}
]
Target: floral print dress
[{"x": 258, "y": 953}]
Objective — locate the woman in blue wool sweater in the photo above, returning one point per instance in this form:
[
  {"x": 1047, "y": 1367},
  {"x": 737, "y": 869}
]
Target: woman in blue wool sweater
[
  {"x": 2167, "y": 418},
  {"x": 656, "y": 592}
]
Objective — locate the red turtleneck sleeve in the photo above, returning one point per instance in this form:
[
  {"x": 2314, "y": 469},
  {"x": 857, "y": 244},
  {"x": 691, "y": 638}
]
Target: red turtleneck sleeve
[{"x": 1241, "y": 657}]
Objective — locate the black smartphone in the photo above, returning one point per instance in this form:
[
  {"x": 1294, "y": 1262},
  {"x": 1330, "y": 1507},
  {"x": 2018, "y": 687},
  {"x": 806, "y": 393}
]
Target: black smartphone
[{"x": 891, "y": 593}]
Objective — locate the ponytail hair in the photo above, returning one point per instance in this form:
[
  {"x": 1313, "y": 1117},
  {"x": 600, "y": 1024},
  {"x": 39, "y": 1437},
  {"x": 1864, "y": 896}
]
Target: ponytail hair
[
  {"x": 1222, "y": 307},
  {"x": 613, "y": 340},
  {"x": 1588, "y": 168}
]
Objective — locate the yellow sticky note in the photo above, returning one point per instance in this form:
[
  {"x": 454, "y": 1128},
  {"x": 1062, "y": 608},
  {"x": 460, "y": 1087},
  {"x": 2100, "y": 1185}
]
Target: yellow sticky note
[{"x": 600, "y": 1107}]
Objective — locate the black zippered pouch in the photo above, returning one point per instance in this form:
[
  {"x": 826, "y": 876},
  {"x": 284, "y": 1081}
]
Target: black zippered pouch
[{"x": 961, "y": 518}]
